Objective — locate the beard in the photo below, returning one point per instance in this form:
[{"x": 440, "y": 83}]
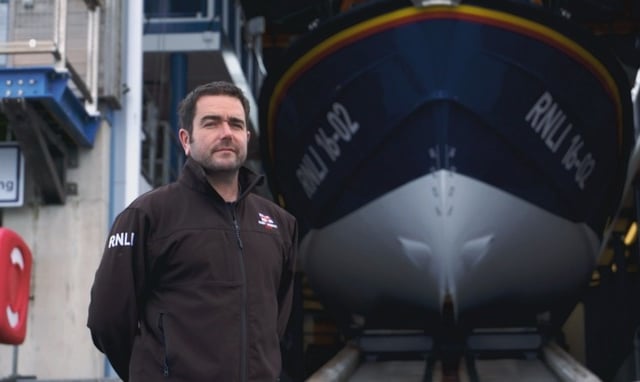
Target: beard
[
  {"x": 228, "y": 163},
  {"x": 212, "y": 165}
]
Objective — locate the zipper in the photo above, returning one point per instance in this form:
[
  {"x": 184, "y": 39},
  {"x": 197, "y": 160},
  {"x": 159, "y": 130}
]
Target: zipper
[
  {"x": 165, "y": 346},
  {"x": 243, "y": 315}
]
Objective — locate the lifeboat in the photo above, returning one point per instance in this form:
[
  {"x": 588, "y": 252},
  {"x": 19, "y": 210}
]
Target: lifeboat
[{"x": 447, "y": 160}]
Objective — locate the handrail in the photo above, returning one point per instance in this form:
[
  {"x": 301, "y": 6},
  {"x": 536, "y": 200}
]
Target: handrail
[
  {"x": 32, "y": 46},
  {"x": 80, "y": 84}
]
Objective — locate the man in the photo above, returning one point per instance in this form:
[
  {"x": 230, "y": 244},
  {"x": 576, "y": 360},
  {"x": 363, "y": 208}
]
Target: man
[{"x": 196, "y": 279}]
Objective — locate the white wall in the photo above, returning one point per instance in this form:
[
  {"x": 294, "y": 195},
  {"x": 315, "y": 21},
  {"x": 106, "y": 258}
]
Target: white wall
[{"x": 66, "y": 242}]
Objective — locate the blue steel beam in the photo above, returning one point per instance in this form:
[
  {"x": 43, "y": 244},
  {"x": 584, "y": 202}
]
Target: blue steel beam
[{"x": 50, "y": 88}]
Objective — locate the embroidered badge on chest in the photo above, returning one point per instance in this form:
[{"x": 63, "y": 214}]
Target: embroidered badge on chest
[{"x": 266, "y": 221}]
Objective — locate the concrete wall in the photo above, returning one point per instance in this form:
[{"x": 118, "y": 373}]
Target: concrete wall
[{"x": 66, "y": 242}]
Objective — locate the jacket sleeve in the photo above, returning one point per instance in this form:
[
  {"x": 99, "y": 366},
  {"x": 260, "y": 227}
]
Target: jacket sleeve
[
  {"x": 285, "y": 290},
  {"x": 117, "y": 287}
]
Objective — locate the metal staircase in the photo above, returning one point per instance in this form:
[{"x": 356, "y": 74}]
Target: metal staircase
[{"x": 186, "y": 44}]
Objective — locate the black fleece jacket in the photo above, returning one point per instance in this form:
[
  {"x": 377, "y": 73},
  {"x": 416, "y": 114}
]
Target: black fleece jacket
[{"x": 192, "y": 288}]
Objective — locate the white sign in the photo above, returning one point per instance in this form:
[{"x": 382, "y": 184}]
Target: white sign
[{"x": 11, "y": 175}]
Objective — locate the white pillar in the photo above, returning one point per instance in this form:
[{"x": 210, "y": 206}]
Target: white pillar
[
  {"x": 126, "y": 134},
  {"x": 127, "y": 130},
  {"x": 133, "y": 99}
]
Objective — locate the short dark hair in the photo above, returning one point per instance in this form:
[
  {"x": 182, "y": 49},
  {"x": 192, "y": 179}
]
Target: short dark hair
[{"x": 187, "y": 107}]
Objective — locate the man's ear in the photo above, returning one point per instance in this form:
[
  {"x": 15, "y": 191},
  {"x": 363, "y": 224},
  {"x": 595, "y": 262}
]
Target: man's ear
[{"x": 185, "y": 139}]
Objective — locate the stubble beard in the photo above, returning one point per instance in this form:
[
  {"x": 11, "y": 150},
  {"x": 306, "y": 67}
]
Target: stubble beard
[{"x": 213, "y": 166}]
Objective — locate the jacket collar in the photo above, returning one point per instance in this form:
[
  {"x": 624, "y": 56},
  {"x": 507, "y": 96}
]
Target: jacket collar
[{"x": 193, "y": 176}]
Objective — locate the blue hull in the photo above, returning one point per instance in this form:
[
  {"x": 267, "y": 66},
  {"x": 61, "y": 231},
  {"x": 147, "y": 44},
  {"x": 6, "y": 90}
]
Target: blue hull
[{"x": 508, "y": 96}]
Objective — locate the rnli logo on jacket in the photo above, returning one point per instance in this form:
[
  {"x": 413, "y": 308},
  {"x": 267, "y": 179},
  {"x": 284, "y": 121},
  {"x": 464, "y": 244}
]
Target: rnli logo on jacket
[
  {"x": 121, "y": 239},
  {"x": 266, "y": 221}
]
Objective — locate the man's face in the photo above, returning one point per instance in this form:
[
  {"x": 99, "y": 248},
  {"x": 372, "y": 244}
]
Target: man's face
[{"x": 220, "y": 136}]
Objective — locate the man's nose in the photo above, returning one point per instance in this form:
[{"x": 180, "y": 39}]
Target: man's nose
[{"x": 226, "y": 127}]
